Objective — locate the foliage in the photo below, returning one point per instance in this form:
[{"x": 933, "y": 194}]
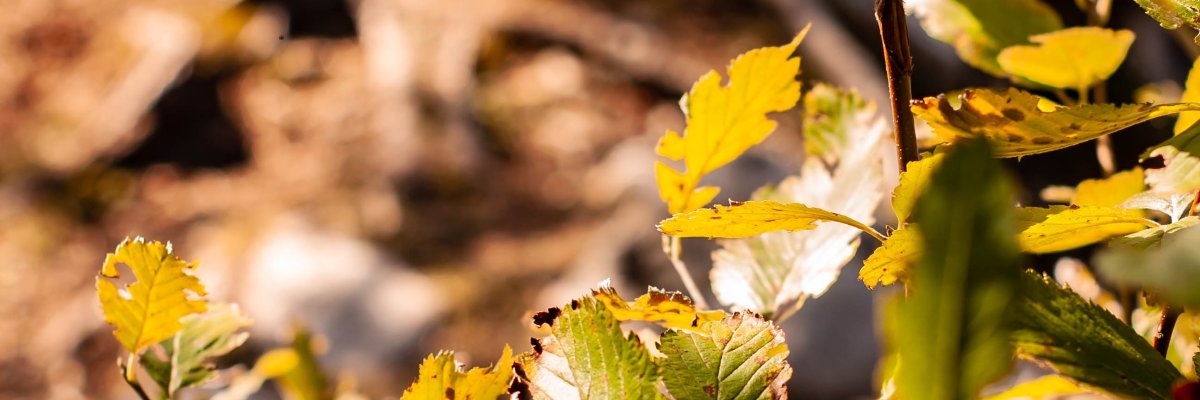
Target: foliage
[
  {"x": 966, "y": 311},
  {"x": 952, "y": 335}
]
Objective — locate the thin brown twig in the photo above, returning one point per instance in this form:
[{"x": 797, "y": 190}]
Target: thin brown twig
[
  {"x": 893, "y": 29},
  {"x": 129, "y": 373},
  {"x": 1162, "y": 339},
  {"x": 671, "y": 246}
]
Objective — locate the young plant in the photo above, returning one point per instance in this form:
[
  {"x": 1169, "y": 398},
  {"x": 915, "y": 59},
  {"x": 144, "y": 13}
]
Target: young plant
[{"x": 969, "y": 306}]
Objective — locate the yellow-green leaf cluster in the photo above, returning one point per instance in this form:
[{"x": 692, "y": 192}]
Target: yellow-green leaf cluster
[
  {"x": 1018, "y": 123},
  {"x": 723, "y": 121},
  {"x": 1073, "y": 58},
  {"x": 149, "y": 310},
  {"x": 440, "y": 377}
]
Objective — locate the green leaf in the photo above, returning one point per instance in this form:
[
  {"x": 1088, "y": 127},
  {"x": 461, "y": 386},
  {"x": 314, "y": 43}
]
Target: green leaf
[
  {"x": 587, "y": 357},
  {"x": 1081, "y": 226},
  {"x": 723, "y": 121},
  {"x": 1172, "y": 14},
  {"x": 1018, "y": 123},
  {"x": 832, "y": 118},
  {"x": 1086, "y": 343},
  {"x": 1191, "y": 94},
  {"x": 953, "y": 329},
  {"x": 164, "y": 285},
  {"x": 1171, "y": 271},
  {"x": 1046, "y": 387},
  {"x": 190, "y": 352},
  {"x": 912, "y": 183},
  {"x": 1072, "y": 58},
  {"x": 440, "y": 377},
  {"x": 749, "y": 218},
  {"x": 741, "y": 356},
  {"x": 1181, "y": 159},
  {"x": 892, "y": 261},
  {"x": 980, "y": 29}
]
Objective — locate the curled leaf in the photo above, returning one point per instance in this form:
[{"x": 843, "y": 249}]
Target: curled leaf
[
  {"x": 892, "y": 262},
  {"x": 671, "y": 309}
]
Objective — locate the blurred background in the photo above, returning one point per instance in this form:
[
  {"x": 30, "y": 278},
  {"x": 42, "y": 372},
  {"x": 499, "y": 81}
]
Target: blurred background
[{"x": 404, "y": 176}]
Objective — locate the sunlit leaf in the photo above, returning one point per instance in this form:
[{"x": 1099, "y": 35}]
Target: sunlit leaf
[
  {"x": 1080, "y": 226},
  {"x": 1048, "y": 387},
  {"x": 149, "y": 310},
  {"x": 953, "y": 329},
  {"x": 1181, "y": 159},
  {"x": 1151, "y": 238},
  {"x": 1026, "y": 217},
  {"x": 745, "y": 219},
  {"x": 723, "y": 121},
  {"x": 671, "y": 309},
  {"x": 1086, "y": 343},
  {"x": 1172, "y": 270},
  {"x": 912, "y": 183},
  {"x": 774, "y": 273},
  {"x": 1072, "y": 58},
  {"x": 741, "y": 356},
  {"x": 304, "y": 380},
  {"x": 892, "y": 262},
  {"x": 1172, "y": 14},
  {"x": 189, "y": 354},
  {"x": 1110, "y": 191},
  {"x": 441, "y": 377},
  {"x": 1019, "y": 123},
  {"x": 1191, "y": 94},
  {"x": 980, "y": 29},
  {"x": 587, "y": 357}
]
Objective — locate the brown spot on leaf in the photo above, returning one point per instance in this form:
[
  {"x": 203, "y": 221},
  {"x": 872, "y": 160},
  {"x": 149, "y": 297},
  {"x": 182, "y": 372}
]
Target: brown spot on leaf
[
  {"x": 537, "y": 345},
  {"x": 450, "y": 393},
  {"x": 714, "y": 217},
  {"x": 1013, "y": 114},
  {"x": 1015, "y": 138},
  {"x": 710, "y": 390},
  {"x": 735, "y": 203},
  {"x": 574, "y": 304},
  {"x": 1153, "y": 162},
  {"x": 546, "y": 317}
]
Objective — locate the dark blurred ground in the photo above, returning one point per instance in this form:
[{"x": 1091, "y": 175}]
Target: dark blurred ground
[{"x": 404, "y": 176}]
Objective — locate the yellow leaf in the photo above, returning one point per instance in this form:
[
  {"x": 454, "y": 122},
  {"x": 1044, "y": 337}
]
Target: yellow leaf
[
  {"x": 1080, "y": 226},
  {"x": 441, "y": 378},
  {"x": 723, "y": 121},
  {"x": 1191, "y": 94},
  {"x": 671, "y": 309},
  {"x": 912, "y": 183},
  {"x": 1026, "y": 217},
  {"x": 148, "y": 310},
  {"x": 1018, "y": 123},
  {"x": 1046, "y": 387},
  {"x": 892, "y": 261},
  {"x": 745, "y": 219},
  {"x": 1111, "y": 191},
  {"x": 1073, "y": 58}
]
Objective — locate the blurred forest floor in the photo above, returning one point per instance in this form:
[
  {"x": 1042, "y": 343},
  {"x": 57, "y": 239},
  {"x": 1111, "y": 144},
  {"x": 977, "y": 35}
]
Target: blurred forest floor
[{"x": 404, "y": 176}]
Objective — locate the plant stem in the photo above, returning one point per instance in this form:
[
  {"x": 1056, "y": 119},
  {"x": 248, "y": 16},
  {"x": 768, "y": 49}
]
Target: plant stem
[
  {"x": 671, "y": 246},
  {"x": 129, "y": 372},
  {"x": 1166, "y": 325},
  {"x": 893, "y": 29}
]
